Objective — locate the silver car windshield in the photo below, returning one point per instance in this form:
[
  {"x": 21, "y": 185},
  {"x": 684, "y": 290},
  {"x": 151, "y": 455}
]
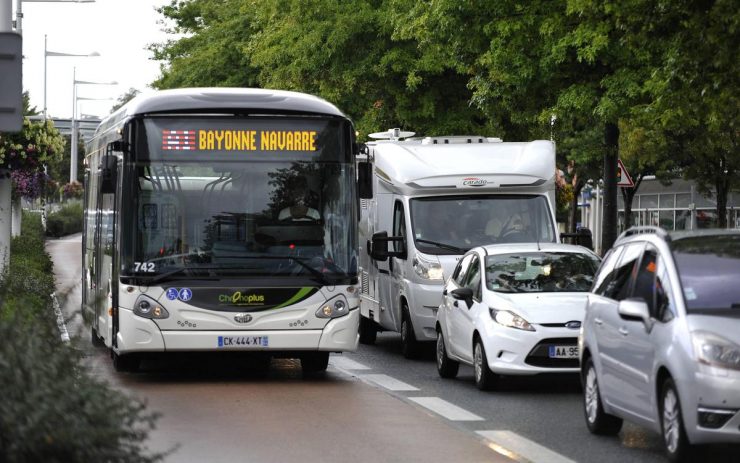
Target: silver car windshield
[
  {"x": 709, "y": 269},
  {"x": 539, "y": 272}
]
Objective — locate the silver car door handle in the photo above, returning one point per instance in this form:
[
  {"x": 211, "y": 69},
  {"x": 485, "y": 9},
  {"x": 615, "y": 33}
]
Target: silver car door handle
[
  {"x": 623, "y": 331},
  {"x": 598, "y": 321}
]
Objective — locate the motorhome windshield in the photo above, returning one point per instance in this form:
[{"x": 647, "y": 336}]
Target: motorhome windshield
[
  {"x": 454, "y": 224},
  {"x": 237, "y": 200}
]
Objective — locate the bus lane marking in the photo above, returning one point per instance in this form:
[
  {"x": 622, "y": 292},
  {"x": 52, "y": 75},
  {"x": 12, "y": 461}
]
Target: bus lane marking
[
  {"x": 446, "y": 409},
  {"x": 344, "y": 363},
  {"x": 388, "y": 382},
  {"x": 512, "y": 445}
]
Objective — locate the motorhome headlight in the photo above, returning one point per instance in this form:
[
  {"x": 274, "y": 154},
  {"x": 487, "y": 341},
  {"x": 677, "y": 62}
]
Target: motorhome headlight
[
  {"x": 428, "y": 270},
  {"x": 333, "y": 309},
  {"x": 511, "y": 320},
  {"x": 147, "y": 307},
  {"x": 714, "y": 350}
]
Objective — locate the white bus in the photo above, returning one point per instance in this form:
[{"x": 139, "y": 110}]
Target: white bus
[{"x": 222, "y": 220}]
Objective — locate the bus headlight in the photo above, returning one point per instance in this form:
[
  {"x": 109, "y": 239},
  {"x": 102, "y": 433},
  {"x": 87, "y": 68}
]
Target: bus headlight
[
  {"x": 146, "y": 307},
  {"x": 428, "y": 270},
  {"x": 333, "y": 309}
]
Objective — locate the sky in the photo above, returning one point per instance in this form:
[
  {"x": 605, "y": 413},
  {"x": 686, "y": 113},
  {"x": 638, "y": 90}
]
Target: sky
[{"x": 119, "y": 30}]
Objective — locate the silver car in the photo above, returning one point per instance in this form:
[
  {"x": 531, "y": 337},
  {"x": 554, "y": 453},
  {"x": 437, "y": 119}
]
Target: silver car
[{"x": 660, "y": 343}]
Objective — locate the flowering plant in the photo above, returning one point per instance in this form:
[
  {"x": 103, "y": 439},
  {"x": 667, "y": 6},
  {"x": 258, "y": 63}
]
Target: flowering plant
[
  {"x": 28, "y": 184},
  {"x": 72, "y": 189},
  {"x": 37, "y": 143}
]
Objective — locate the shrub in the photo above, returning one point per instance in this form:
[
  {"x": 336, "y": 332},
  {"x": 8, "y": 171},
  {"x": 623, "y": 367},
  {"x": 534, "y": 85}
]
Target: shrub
[
  {"x": 52, "y": 408},
  {"x": 28, "y": 280},
  {"x": 66, "y": 221}
]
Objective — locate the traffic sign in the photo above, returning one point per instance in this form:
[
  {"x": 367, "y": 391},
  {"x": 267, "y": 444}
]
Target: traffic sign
[
  {"x": 623, "y": 177},
  {"x": 11, "y": 87}
]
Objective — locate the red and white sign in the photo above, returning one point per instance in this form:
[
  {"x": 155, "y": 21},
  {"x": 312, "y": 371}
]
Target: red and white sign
[
  {"x": 623, "y": 177},
  {"x": 178, "y": 139}
]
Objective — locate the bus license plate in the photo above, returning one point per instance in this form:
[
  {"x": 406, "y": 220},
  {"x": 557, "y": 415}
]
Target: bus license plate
[
  {"x": 243, "y": 341},
  {"x": 563, "y": 352}
]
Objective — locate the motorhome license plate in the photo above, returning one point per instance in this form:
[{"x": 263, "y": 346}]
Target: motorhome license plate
[
  {"x": 563, "y": 352},
  {"x": 243, "y": 341}
]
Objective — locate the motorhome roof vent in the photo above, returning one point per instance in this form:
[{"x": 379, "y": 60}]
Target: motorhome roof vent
[
  {"x": 456, "y": 140},
  {"x": 391, "y": 134}
]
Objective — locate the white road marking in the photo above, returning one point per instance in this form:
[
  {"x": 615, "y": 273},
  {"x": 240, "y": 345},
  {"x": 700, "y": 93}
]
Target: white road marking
[
  {"x": 521, "y": 446},
  {"x": 446, "y": 409},
  {"x": 60, "y": 318},
  {"x": 345, "y": 363},
  {"x": 389, "y": 383}
]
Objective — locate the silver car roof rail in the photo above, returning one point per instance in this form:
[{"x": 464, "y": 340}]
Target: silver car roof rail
[{"x": 645, "y": 229}]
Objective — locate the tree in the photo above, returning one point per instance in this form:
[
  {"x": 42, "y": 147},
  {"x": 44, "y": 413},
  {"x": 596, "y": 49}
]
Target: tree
[
  {"x": 695, "y": 99},
  {"x": 125, "y": 98},
  {"x": 351, "y": 57}
]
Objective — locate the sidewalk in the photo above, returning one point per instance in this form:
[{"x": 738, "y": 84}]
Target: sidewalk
[{"x": 66, "y": 253}]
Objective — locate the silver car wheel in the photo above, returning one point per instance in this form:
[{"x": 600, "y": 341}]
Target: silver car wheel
[
  {"x": 478, "y": 362},
  {"x": 671, "y": 420},
  {"x": 591, "y": 395}
]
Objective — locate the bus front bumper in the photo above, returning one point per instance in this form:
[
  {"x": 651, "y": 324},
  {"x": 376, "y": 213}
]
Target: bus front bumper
[{"x": 143, "y": 335}]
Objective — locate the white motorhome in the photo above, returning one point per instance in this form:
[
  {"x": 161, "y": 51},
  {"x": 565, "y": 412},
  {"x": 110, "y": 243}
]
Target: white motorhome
[{"x": 432, "y": 200}]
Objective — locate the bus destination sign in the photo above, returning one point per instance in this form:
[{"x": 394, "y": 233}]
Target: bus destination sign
[{"x": 239, "y": 140}]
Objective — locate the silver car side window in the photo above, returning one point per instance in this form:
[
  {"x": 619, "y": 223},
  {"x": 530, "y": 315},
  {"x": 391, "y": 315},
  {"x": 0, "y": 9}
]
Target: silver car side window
[
  {"x": 619, "y": 288},
  {"x": 606, "y": 272}
]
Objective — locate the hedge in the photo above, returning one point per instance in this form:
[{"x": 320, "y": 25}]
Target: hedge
[
  {"x": 65, "y": 221},
  {"x": 52, "y": 408}
]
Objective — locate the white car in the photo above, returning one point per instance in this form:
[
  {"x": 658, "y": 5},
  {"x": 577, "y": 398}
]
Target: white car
[{"x": 514, "y": 309}]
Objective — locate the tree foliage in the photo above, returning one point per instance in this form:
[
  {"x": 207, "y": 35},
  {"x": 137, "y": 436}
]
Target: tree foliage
[{"x": 571, "y": 70}]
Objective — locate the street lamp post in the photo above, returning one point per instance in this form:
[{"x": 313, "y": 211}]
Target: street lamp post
[
  {"x": 73, "y": 140},
  {"x": 56, "y": 53}
]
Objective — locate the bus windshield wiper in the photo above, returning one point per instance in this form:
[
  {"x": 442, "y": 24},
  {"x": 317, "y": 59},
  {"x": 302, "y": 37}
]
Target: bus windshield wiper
[
  {"x": 449, "y": 247},
  {"x": 320, "y": 276}
]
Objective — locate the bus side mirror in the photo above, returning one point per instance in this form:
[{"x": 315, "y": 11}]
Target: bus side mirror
[
  {"x": 108, "y": 172},
  {"x": 365, "y": 180}
]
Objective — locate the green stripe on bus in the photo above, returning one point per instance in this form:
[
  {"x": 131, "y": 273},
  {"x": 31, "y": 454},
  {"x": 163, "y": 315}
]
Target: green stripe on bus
[{"x": 296, "y": 297}]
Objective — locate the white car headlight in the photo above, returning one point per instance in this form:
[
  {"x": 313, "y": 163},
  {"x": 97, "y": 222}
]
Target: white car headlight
[
  {"x": 428, "y": 270},
  {"x": 715, "y": 350},
  {"x": 510, "y": 319}
]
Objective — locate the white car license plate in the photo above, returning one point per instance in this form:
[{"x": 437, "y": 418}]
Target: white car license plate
[
  {"x": 563, "y": 352},
  {"x": 243, "y": 341}
]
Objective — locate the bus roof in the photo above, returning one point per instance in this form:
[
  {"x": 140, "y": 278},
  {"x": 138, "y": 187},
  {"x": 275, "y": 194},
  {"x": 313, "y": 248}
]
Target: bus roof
[
  {"x": 184, "y": 99},
  {"x": 219, "y": 99}
]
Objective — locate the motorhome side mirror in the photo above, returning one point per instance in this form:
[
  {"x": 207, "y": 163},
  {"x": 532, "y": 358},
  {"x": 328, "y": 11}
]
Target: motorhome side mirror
[
  {"x": 378, "y": 249},
  {"x": 463, "y": 294},
  {"x": 108, "y": 172},
  {"x": 584, "y": 238},
  {"x": 365, "y": 180}
]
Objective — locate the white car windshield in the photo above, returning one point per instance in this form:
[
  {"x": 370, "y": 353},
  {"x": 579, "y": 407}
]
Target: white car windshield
[{"x": 538, "y": 272}]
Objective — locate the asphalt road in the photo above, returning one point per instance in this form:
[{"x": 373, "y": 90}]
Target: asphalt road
[{"x": 371, "y": 406}]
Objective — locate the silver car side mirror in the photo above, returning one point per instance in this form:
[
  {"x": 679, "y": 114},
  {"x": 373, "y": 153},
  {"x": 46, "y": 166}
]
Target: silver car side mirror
[{"x": 636, "y": 309}]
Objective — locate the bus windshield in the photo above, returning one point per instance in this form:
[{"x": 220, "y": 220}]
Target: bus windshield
[
  {"x": 454, "y": 224},
  {"x": 214, "y": 198}
]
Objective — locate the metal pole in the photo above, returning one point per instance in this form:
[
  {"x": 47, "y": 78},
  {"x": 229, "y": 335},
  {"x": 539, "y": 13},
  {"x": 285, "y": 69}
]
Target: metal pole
[
  {"x": 6, "y": 25},
  {"x": 73, "y": 147},
  {"x": 19, "y": 16},
  {"x": 44, "y": 76}
]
